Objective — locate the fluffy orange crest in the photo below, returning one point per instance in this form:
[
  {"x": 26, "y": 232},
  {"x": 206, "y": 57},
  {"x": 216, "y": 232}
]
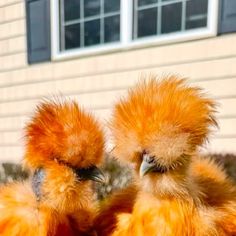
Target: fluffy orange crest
[
  {"x": 62, "y": 131},
  {"x": 162, "y": 112}
]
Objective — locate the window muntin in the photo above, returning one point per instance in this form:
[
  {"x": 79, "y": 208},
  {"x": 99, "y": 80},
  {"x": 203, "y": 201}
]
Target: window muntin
[
  {"x": 85, "y": 23},
  {"x": 168, "y": 16}
]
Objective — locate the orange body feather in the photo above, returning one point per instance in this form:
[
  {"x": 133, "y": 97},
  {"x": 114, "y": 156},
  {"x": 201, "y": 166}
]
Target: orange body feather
[
  {"x": 66, "y": 143},
  {"x": 158, "y": 129},
  {"x": 119, "y": 203}
]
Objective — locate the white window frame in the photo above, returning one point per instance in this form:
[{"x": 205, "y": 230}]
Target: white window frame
[{"x": 126, "y": 42}]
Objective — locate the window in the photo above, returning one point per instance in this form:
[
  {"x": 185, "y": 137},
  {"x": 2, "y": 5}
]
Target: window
[
  {"x": 157, "y": 17},
  {"x": 83, "y": 27},
  {"x": 85, "y": 23}
]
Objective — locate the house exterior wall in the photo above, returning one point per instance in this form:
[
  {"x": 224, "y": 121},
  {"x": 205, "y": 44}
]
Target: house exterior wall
[{"x": 98, "y": 81}]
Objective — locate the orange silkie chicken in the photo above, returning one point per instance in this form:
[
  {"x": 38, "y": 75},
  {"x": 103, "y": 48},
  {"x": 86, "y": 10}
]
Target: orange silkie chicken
[
  {"x": 64, "y": 145},
  {"x": 158, "y": 128}
]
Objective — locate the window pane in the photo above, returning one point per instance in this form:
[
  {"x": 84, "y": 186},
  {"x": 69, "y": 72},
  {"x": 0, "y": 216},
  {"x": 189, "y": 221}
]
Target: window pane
[
  {"x": 111, "y": 5},
  {"x": 112, "y": 28},
  {"x": 147, "y": 22},
  {"x": 92, "y": 32},
  {"x": 91, "y": 7},
  {"x": 71, "y": 9},
  {"x": 196, "y": 24},
  {"x": 171, "y": 18},
  {"x": 72, "y": 36},
  {"x": 146, "y": 2},
  {"x": 197, "y": 7},
  {"x": 196, "y": 14}
]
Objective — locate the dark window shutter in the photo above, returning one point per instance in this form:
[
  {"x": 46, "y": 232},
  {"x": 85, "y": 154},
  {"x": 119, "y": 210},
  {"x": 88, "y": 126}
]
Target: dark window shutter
[
  {"x": 38, "y": 30},
  {"x": 227, "y": 19}
]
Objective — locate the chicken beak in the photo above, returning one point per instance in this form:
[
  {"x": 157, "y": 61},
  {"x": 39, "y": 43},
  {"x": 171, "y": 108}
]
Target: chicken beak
[
  {"x": 146, "y": 167},
  {"x": 93, "y": 173}
]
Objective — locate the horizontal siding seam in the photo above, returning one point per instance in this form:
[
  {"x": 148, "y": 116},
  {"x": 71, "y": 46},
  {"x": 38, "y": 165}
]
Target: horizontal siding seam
[
  {"x": 39, "y": 81},
  {"x": 10, "y": 130},
  {"x": 12, "y": 37},
  {"x": 10, "y": 4},
  {"x": 224, "y": 97},
  {"x": 206, "y": 79},
  {"x": 92, "y": 91},
  {"x": 15, "y": 68},
  {"x": 13, "y": 53},
  {"x": 184, "y": 62},
  {"x": 15, "y": 115},
  {"x": 84, "y": 75},
  {"x": 226, "y": 117},
  {"x": 224, "y": 136},
  {"x": 91, "y": 108},
  {"x": 10, "y": 145},
  {"x": 227, "y": 97},
  {"x": 12, "y": 20}
]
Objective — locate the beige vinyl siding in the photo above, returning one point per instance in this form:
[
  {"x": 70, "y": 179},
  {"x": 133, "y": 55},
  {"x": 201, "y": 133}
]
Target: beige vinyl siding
[
  {"x": 12, "y": 46},
  {"x": 6, "y": 3},
  {"x": 12, "y": 29},
  {"x": 98, "y": 81},
  {"x": 12, "y": 12}
]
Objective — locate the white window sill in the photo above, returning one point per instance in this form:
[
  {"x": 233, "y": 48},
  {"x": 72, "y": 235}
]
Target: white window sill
[{"x": 140, "y": 43}]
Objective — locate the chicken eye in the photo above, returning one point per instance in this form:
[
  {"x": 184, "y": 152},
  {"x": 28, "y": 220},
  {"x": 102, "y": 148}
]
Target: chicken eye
[
  {"x": 90, "y": 173},
  {"x": 149, "y": 159}
]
